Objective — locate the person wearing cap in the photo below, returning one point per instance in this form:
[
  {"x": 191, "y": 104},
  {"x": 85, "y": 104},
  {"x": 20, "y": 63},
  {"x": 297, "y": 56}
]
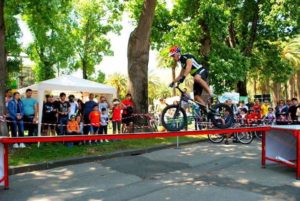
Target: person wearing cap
[
  {"x": 116, "y": 116},
  {"x": 190, "y": 65}
]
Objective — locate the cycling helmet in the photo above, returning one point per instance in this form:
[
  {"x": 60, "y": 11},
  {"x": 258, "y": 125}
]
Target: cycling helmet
[{"x": 173, "y": 50}]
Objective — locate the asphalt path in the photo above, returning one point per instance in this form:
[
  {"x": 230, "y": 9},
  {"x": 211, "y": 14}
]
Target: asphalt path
[{"x": 204, "y": 171}]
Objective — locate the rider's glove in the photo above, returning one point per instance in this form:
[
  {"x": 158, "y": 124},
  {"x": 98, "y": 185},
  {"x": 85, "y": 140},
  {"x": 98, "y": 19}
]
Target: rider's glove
[
  {"x": 171, "y": 85},
  {"x": 181, "y": 79}
]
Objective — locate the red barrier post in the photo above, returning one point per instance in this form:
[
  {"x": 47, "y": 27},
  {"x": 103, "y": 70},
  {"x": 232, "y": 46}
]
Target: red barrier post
[
  {"x": 6, "y": 177},
  {"x": 263, "y": 150},
  {"x": 298, "y": 155}
]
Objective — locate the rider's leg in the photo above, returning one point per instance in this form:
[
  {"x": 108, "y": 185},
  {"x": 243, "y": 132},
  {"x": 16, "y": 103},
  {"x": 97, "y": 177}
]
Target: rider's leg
[
  {"x": 199, "y": 99},
  {"x": 203, "y": 83}
]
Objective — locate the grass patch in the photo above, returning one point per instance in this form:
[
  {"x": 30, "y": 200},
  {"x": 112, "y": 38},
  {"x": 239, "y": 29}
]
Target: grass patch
[{"x": 57, "y": 151}]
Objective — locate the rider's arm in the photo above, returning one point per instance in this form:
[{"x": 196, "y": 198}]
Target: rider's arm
[
  {"x": 188, "y": 67},
  {"x": 179, "y": 76}
]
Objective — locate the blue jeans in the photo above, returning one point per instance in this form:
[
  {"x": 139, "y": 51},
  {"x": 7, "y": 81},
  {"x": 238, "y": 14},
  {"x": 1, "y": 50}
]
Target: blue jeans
[
  {"x": 17, "y": 125},
  {"x": 62, "y": 127}
]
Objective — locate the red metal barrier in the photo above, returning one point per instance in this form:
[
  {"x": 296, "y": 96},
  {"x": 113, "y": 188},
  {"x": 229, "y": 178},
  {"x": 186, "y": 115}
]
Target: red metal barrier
[{"x": 6, "y": 140}]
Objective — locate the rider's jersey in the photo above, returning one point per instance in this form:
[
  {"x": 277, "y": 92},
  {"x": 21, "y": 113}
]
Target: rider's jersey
[{"x": 195, "y": 64}]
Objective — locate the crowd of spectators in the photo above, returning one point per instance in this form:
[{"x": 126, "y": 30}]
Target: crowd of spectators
[{"x": 67, "y": 116}]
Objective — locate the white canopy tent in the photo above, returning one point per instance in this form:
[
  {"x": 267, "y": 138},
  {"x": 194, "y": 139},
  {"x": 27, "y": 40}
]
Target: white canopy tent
[{"x": 66, "y": 83}]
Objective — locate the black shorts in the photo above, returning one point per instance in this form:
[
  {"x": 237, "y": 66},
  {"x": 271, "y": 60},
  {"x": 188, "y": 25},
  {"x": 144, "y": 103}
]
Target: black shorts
[{"x": 197, "y": 88}]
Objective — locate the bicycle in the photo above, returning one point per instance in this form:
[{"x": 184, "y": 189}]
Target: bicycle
[
  {"x": 242, "y": 137},
  {"x": 174, "y": 117}
]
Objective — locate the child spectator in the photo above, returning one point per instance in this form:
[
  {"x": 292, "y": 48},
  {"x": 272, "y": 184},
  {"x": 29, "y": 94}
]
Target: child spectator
[
  {"x": 63, "y": 109},
  {"x": 265, "y": 108},
  {"x": 72, "y": 128},
  {"x": 270, "y": 118},
  {"x": 243, "y": 116},
  {"x": 127, "y": 116},
  {"x": 104, "y": 122},
  {"x": 94, "y": 118},
  {"x": 49, "y": 116},
  {"x": 116, "y": 116}
]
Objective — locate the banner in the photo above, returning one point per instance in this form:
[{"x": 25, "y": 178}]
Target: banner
[{"x": 235, "y": 97}]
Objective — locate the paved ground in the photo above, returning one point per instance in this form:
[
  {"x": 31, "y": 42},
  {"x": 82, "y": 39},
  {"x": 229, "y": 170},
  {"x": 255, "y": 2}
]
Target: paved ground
[{"x": 203, "y": 172}]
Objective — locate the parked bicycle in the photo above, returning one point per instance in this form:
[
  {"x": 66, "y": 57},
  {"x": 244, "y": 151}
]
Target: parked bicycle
[{"x": 174, "y": 116}]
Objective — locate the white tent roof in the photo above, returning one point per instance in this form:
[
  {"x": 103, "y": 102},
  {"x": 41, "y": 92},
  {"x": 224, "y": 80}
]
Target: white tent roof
[
  {"x": 67, "y": 83},
  {"x": 70, "y": 83}
]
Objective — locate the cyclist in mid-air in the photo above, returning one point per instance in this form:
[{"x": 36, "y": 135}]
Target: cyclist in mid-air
[{"x": 191, "y": 66}]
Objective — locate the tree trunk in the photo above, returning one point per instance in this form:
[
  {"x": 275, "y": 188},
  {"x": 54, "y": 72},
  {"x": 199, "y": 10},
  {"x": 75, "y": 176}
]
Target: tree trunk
[
  {"x": 286, "y": 94},
  {"x": 276, "y": 91},
  {"x": 138, "y": 57},
  {"x": 3, "y": 70},
  {"x": 242, "y": 85},
  {"x": 255, "y": 86},
  {"x": 205, "y": 41},
  {"x": 292, "y": 86},
  {"x": 84, "y": 69}
]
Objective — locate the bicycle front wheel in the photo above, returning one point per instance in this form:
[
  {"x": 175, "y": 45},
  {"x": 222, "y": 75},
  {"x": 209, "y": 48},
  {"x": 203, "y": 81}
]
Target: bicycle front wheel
[
  {"x": 216, "y": 138},
  {"x": 174, "y": 118},
  {"x": 245, "y": 137}
]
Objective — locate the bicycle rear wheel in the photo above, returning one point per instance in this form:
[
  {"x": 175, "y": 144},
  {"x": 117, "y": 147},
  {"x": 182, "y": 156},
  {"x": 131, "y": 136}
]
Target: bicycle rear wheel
[
  {"x": 174, "y": 118},
  {"x": 245, "y": 137}
]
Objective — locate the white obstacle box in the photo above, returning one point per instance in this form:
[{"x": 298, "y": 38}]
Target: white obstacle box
[
  {"x": 1, "y": 165},
  {"x": 281, "y": 146}
]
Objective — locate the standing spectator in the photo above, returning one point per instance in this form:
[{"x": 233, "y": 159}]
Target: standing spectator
[
  {"x": 289, "y": 103},
  {"x": 257, "y": 107},
  {"x": 63, "y": 109},
  {"x": 242, "y": 106},
  {"x": 127, "y": 116},
  {"x": 95, "y": 117},
  {"x": 30, "y": 113},
  {"x": 103, "y": 104},
  {"x": 8, "y": 97},
  {"x": 250, "y": 104},
  {"x": 73, "y": 106},
  {"x": 281, "y": 113},
  {"x": 232, "y": 106},
  {"x": 16, "y": 113},
  {"x": 88, "y": 108},
  {"x": 292, "y": 111},
  {"x": 104, "y": 122},
  {"x": 265, "y": 108},
  {"x": 116, "y": 116},
  {"x": 49, "y": 116},
  {"x": 80, "y": 107}
]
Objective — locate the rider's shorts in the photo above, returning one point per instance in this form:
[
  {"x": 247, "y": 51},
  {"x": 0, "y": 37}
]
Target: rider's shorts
[{"x": 203, "y": 72}]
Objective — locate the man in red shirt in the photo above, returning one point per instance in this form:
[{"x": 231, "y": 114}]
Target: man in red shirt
[{"x": 127, "y": 116}]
